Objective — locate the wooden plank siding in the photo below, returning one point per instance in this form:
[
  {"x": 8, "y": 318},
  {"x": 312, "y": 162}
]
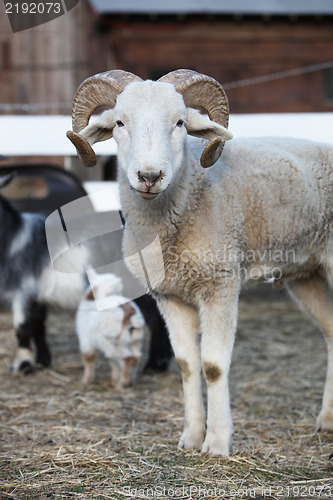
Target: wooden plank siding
[
  {"x": 45, "y": 64},
  {"x": 231, "y": 51}
]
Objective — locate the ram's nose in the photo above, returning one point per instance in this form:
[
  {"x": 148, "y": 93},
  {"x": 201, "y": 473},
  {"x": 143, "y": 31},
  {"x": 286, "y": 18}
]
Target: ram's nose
[{"x": 149, "y": 179}]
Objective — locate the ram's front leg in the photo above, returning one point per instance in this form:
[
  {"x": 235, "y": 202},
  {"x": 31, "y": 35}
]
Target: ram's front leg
[
  {"x": 183, "y": 325},
  {"x": 218, "y": 326}
]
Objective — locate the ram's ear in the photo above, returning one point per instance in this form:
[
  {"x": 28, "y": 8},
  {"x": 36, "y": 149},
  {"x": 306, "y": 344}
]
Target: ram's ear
[
  {"x": 99, "y": 130},
  {"x": 201, "y": 126}
]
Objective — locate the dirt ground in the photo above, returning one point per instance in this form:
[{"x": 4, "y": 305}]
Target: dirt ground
[{"x": 59, "y": 440}]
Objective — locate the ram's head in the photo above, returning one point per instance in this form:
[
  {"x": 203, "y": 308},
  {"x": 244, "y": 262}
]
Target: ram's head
[{"x": 150, "y": 121}]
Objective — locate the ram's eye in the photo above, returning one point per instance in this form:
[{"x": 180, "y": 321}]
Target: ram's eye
[
  {"x": 180, "y": 123},
  {"x": 120, "y": 123}
]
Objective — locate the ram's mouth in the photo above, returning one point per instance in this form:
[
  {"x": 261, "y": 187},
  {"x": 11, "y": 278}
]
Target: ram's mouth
[{"x": 147, "y": 195}]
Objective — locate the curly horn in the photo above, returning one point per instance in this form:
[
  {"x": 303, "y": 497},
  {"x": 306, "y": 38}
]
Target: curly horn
[
  {"x": 98, "y": 90},
  {"x": 202, "y": 90}
]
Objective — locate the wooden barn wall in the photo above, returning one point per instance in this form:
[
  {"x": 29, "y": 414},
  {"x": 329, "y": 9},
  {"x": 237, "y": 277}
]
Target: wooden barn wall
[
  {"x": 45, "y": 64},
  {"x": 231, "y": 51}
]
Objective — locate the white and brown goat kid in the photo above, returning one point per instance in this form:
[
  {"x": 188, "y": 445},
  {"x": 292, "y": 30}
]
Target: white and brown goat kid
[{"x": 116, "y": 327}]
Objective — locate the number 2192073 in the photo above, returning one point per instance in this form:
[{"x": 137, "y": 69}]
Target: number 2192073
[{"x": 33, "y": 8}]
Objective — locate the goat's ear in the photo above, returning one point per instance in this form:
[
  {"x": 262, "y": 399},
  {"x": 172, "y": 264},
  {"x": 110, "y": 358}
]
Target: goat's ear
[
  {"x": 100, "y": 129},
  {"x": 89, "y": 294},
  {"x": 201, "y": 126},
  {"x": 7, "y": 179}
]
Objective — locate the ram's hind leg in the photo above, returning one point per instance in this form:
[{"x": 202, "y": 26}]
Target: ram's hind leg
[{"x": 315, "y": 297}]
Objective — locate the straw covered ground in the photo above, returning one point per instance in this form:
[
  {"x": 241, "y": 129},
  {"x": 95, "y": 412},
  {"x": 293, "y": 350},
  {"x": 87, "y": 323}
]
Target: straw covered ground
[{"x": 61, "y": 441}]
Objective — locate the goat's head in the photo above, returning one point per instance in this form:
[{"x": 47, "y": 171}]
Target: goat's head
[
  {"x": 103, "y": 285},
  {"x": 149, "y": 121}
]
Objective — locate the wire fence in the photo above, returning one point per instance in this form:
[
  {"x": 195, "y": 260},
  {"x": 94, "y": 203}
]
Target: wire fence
[{"x": 279, "y": 75}]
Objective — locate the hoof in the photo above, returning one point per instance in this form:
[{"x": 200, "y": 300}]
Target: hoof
[
  {"x": 216, "y": 450},
  {"x": 44, "y": 360},
  {"x": 26, "y": 367},
  {"x": 324, "y": 422},
  {"x": 191, "y": 440},
  {"x": 23, "y": 362},
  {"x": 217, "y": 445}
]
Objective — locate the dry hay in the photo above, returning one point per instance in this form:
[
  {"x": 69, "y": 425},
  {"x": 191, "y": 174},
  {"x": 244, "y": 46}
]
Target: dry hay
[{"x": 61, "y": 441}]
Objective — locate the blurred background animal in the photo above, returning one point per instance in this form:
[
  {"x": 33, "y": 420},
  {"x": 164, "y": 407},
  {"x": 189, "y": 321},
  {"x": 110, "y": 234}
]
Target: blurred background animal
[
  {"x": 117, "y": 329},
  {"x": 28, "y": 283}
]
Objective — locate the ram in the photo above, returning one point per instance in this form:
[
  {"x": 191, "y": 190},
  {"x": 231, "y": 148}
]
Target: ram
[{"x": 264, "y": 209}]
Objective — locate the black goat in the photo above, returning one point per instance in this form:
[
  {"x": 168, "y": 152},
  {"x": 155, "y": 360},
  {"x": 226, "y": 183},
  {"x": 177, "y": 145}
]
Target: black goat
[
  {"x": 28, "y": 282},
  {"x": 160, "y": 350}
]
